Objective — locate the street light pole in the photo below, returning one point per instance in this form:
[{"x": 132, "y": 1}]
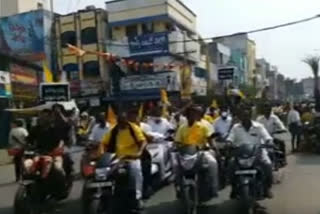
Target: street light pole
[{"x": 51, "y": 6}]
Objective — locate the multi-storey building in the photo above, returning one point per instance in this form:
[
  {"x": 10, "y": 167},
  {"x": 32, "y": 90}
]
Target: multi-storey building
[
  {"x": 88, "y": 76},
  {"x": 158, "y": 33}
]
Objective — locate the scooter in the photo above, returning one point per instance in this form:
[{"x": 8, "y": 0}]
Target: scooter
[{"x": 161, "y": 165}]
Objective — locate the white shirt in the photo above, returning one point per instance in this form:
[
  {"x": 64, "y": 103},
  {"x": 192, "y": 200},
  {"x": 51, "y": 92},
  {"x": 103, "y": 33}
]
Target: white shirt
[
  {"x": 162, "y": 127},
  {"x": 97, "y": 132},
  {"x": 222, "y": 126},
  {"x": 272, "y": 124},
  {"x": 293, "y": 117},
  {"x": 17, "y": 137},
  {"x": 145, "y": 128},
  {"x": 175, "y": 124},
  {"x": 257, "y": 134}
]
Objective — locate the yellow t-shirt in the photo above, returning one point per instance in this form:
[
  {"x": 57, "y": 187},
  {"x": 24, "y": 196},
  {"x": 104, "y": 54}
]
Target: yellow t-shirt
[
  {"x": 197, "y": 134},
  {"x": 126, "y": 144},
  {"x": 307, "y": 117}
]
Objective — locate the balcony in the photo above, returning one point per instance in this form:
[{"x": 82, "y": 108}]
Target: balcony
[{"x": 157, "y": 44}]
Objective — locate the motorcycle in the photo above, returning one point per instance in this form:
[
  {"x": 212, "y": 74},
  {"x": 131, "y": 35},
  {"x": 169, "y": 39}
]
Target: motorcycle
[
  {"x": 192, "y": 188},
  {"x": 277, "y": 156},
  {"x": 312, "y": 135},
  {"x": 36, "y": 189},
  {"x": 108, "y": 186},
  {"x": 248, "y": 185}
]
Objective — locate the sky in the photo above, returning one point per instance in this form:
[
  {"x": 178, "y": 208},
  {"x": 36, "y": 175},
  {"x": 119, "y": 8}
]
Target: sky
[{"x": 284, "y": 48}]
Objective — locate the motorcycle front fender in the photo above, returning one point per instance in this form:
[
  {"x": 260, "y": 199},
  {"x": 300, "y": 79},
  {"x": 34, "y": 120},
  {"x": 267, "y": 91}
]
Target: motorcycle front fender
[{"x": 245, "y": 180}]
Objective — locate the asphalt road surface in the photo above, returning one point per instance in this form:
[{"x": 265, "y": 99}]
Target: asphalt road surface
[{"x": 297, "y": 194}]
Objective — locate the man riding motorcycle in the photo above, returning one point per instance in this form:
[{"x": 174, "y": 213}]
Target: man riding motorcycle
[
  {"x": 273, "y": 124},
  {"x": 223, "y": 125},
  {"x": 47, "y": 139},
  {"x": 249, "y": 131},
  {"x": 159, "y": 124},
  {"x": 196, "y": 133},
  {"x": 127, "y": 140}
]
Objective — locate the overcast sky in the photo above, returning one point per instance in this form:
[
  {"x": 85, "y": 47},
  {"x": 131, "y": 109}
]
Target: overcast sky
[{"x": 284, "y": 47}]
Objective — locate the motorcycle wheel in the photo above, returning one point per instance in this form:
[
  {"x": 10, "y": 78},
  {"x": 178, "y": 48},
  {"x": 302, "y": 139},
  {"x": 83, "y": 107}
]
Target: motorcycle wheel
[
  {"x": 94, "y": 207},
  {"x": 21, "y": 204},
  {"x": 247, "y": 202},
  {"x": 190, "y": 200}
]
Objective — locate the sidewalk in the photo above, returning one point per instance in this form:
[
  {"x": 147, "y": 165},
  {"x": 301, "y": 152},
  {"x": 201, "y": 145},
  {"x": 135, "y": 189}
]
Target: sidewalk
[{"x": 4, "y": 157}]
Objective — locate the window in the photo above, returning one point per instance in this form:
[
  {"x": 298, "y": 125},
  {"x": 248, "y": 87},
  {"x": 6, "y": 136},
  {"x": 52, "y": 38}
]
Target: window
[
  {"x": 68, "y": 37},
  {"x": 91, "y": 69},
  {"x": 72, "y": 71},
  {"x": 89, "y": 35},
  {"x": 147, "y": 28},
  {"x": 131, "y": 31},
  {"x": 39, "y": 5},
  {"x": 169, "y": 27},
  {"x": 144, "y": 67}
]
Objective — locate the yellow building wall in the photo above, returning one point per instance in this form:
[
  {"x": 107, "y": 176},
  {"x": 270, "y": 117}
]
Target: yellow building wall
[{"x": 119, "y": 32}]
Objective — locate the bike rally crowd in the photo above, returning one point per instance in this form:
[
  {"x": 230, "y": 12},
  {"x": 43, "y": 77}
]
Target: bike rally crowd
[{"x": 200, "y": 149}]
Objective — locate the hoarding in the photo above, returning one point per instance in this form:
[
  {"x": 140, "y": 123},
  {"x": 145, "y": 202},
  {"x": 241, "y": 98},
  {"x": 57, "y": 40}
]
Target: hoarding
[
  {"x": 5, "y": 84},
  {"x": 149, "y": 43},
  {"x": 23, "y": 34},
  {"x": 140, "y": 83},
  {"x": 54, "y": 92}
]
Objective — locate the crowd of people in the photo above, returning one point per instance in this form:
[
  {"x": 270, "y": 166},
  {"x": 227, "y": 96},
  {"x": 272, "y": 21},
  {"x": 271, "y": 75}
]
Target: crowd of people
[{"x": 192, "y": 125}]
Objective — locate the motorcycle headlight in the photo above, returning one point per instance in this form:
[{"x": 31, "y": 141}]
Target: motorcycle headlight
[
  {"x": 246, "y": 163},
  {"x": 188, "y": 162},
  {"x": 102, "y": 173}
]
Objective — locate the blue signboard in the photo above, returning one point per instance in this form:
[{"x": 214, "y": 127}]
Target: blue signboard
[
  {"x": 149, "y": 43},
  {"x": 23, "y": 34}
]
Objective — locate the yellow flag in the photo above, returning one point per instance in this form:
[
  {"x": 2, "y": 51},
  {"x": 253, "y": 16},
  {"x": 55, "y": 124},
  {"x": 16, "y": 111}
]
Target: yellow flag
[
  {"x": 112, "y": 118},
  {"x": 48, "y": 77},
  {"x": 164, "y": 96},
  {"x": 140, "y": 113},
  {"x": 214, "y": 104}
]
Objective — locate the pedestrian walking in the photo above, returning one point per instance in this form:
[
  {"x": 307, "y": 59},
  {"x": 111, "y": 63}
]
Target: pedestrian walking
[{"x": 294, "y": 123}]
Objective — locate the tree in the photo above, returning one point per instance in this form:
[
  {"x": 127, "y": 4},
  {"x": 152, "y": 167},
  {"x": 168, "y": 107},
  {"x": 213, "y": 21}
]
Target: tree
[{"x": 313, "y": 62}]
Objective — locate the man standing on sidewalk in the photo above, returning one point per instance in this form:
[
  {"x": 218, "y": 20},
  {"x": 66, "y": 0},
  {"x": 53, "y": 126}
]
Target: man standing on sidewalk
[{"x": 17, "y": 141}]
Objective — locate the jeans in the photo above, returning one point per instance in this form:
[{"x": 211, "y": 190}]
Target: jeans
[
  {"x": 212, "y": 170},
  {"x": 136, "y": 176}
]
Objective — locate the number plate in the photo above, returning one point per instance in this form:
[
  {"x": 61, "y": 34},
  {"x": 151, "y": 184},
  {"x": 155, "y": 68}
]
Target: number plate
[
  {"x": 246, "y": 172},
  {"x": 98, "y": 185}
]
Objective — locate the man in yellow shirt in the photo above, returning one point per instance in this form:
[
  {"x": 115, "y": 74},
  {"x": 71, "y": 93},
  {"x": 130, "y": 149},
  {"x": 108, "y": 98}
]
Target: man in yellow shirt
[
  {"x": 128, "y": 142},
  {"x": 196, "y": 133}
]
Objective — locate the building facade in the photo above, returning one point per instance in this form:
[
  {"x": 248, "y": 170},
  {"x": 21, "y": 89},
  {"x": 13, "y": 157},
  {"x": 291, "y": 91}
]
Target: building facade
[
  {"x": 243, "y": 55},
  {"x": 25, "y": 39},
  {"x": 88, "y": 75},
  {"x": 160, "y": 33},
  {"x": 13, "y": 7}
]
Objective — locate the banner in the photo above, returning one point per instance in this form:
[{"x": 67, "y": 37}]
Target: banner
[
  {"x": 54, "y": 92},
  {"x": 5, "y": 84},
  {"x": 149, "y": 43},
  {"x": 164, "y": 80},
  {"x": 23, "y": 34}
]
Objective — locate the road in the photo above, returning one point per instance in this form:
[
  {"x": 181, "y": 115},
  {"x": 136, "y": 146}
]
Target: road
[{"x": 298, "y": 193}]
